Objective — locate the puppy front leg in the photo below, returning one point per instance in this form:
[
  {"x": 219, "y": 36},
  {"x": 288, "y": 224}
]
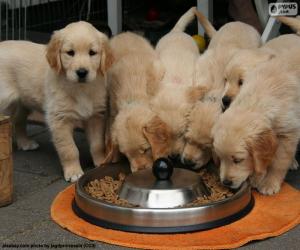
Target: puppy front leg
[
  {"x": 95, "y": 129},
  {"x": 276, "y": 173},
  {"x": 62, "y": 134}
]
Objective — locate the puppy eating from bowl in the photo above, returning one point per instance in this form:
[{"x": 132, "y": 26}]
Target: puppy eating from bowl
[
  {"x": 257, "y": 137},
  {"x": 131, "y": 81},
  {"x": 208, "y": 86}
]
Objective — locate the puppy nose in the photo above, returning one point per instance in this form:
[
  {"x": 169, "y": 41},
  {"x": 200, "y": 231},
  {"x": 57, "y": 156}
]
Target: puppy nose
[
  {"x": 226, "y": 100},
  {"x": 188, "y": 162},
  {"x": 227, "y": 183},
  {"x": 82, "y": 72},
  {"x": 173, "y": 157}
]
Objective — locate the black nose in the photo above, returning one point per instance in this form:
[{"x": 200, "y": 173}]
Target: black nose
[
  {"x": 174, "y": 157},
  {"x": 226, "y": 100},
  {"x": 188, "y": 163},
  {"x": 227, "y": 183},
  {"x": 81, "y": 73}
]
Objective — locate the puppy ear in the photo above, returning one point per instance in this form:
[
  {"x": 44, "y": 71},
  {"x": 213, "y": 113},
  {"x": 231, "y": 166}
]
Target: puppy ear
[
  {"x": 262, "y": 148},
  {"x": 53, "y": 52},
  {"x": 107, "y": 57},
  {"x": 215, "y": 158},
  {"x": 158, "y": 135},
  {"x": 112, "y": 149},
  {"x": 195, "y": 93}
]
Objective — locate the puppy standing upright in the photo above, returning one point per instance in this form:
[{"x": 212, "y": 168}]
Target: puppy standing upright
[{"x": 75, "y": 90}]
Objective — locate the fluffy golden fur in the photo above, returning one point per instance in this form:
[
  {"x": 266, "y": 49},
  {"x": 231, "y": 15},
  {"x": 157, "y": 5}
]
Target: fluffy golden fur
[
  {"x": 178, "y": 53},
  {"x": 247, "y": 59},
  {"x": 257, "y": 136},
  {"x": 131, "y": 81},
  {"x": 22, "y": 73},
  {"x": 209, "y": 84},
  {"x": 75, "y": 90},
  {"x": 197, "y": 150},
  {"x": 28, "y": 83}
]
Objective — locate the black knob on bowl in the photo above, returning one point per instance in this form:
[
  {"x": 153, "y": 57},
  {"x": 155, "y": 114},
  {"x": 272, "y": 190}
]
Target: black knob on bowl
[{"x": 162, "y": 169}]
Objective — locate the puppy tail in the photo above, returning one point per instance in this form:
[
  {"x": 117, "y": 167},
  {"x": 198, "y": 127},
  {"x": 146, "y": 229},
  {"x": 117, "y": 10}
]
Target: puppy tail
[
  {"x": 184, "y": 20},
  {"x": 292, "y": 22},
  {"x": 208, "y": 27}
]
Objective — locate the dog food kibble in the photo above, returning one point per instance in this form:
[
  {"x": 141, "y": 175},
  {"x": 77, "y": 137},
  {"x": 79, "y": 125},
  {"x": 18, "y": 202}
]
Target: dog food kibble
[
  {"x": 217, "y": 190},
  {"x": 107, "y": 188}
]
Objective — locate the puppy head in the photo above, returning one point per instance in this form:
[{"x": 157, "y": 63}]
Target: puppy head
[
  {"x": 128, "y": 135},
  {"x": 245, "y": 144},
  {"x": 243, "y": 62},
  {"x": 80, "y": 52},
  {"x": 198, "y": 140}
]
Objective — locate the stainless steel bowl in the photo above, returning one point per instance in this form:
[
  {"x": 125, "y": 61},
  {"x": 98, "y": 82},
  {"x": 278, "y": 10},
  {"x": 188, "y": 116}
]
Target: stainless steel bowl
[
  {"x": 157, "y": 220},
  {"x": 143, "y": 189}
]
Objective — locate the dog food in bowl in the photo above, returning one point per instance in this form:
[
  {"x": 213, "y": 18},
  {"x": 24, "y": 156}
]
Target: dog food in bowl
[{"x": 107, "y": 188}]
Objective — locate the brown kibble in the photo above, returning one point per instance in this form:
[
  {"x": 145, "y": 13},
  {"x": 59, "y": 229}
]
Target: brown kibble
[{"x": 107, "y": 188}]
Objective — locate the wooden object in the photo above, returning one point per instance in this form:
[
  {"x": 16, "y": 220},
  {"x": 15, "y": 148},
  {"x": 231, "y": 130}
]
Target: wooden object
[{"x": 6, "y": 165}]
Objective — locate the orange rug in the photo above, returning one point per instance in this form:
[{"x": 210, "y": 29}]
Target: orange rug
[{"x": 271, "y": 216}]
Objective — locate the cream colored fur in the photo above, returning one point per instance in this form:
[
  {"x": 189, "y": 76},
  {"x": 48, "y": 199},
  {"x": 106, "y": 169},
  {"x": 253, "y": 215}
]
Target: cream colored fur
[
  {"x": 178, "y": 53},
  {"x": 28, "y": 83},
  {"x": 22, "y": 73},
  {"x": 209, "y": 83},
  {"x": 257, "y": 136},
  {"x": 132, "y": 81}
]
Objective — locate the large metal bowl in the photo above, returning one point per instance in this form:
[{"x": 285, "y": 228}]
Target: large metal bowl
[{"x": 157, "y": 220}]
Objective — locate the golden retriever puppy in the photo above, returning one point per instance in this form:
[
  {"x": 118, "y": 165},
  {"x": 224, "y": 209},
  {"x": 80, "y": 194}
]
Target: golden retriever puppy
[
  {"x": 75, "y": 90},
  {"x": 197, "y": 150},
  {"x": 247, "y": 59},
  {"x": 178, "y": 53},
  {"x": 22, "y": 73},
  {"x": 209, "y": 78},
  {"x": 130, "y": 80},
  {"x": 257, "y": 136},
  {"x": 209, "y": 69}
]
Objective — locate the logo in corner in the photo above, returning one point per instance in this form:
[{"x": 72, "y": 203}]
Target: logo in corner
[{"x": 283, "y": 9}]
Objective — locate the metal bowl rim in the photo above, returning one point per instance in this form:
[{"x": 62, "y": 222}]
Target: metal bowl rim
[{"x": 81, "y": 192}]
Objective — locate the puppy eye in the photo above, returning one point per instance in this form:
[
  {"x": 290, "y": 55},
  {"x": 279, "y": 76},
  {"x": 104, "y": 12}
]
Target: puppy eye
[
  {"x": 236, "y": 161},
  {"x": 92, "y": 52},
  {"x": 240, "y": 82},
  {"x": 225, "y": 80},
  {"x": 71, "y": 52}
]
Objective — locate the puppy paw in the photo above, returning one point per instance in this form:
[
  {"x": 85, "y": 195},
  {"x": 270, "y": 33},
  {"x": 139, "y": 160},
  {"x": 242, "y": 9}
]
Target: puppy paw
[
  {"x": 28, "y": 145},
  {"x": 294, "y": 165},
  {"x": 255, "y": 181},
  {"x": 72, "y": 174},
  {"x": 269, "y": 187}
]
